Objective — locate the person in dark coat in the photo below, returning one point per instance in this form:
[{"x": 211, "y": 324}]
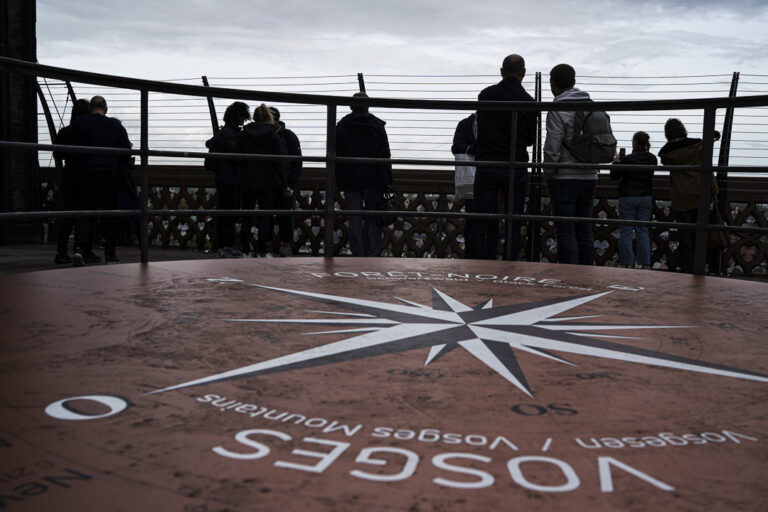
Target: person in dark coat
[
  {"x": 227, "y": 176},
  {"x": 494, "y": 130},
  {"x": 70, "y": 180},
  {"x": 260, "y": 179},
  {"x": 684, "y": 185},
  {"x": 361, "y": 134},
  {"x": 635, "y": 201},
  {"x": 102, "y": 175},
  {"x": 284, "y": 197}
]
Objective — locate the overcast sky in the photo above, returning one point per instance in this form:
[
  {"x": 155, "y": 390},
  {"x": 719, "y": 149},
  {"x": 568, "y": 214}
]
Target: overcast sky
[{"x": 185, "y": 38}]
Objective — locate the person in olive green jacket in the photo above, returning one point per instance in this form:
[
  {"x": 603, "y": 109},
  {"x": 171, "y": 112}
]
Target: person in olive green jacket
[{"x": 684, "y": 185}]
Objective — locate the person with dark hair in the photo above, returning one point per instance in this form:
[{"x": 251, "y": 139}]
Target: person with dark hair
[
  {"x": 635, "y": 201},
  {"x": 494, "y": 132},
  {"x": 571, "y": 190},
  {"x": 102, "y": 176},
  {"x": 684, "y": 185},
  {"x": 361, "y": 134},
  {"x": 284, "y": 197},
  {"x": 69, "y": 185},
  {"x": 259, "y": 179},
  {"x": 227, "y": 176}
]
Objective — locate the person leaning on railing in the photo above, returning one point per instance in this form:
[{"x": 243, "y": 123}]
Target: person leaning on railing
[
  {"x": 684, "y": 185},
  {"x": 635, "y": 201},
  {"x": 227, "y": 176}
]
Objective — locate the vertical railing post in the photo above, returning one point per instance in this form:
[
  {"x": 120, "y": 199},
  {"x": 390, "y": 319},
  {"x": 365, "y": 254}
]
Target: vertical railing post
[
  {"x": 144, "y": 228},
  {"x": 725, "y": 141},
  {"x": 511, "y": 187},
  {"x": 361, "y": 82},
  {"x": 534, "y": 200},
  {"x": 71, "y": 92},
  {"x": 705, "y": 191},
  {"x": 330, "y": 180},
  {"x": 211, "y": 109}
]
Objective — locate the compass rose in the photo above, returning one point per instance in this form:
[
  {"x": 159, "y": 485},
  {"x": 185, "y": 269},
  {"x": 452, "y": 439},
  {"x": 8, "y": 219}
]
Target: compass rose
[{"x": 490, "y": 333}]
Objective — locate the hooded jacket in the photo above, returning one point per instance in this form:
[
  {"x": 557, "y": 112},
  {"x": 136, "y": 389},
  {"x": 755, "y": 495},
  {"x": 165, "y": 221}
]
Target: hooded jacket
[
  {"x": 293, "y": 147},
  {"x": 227, "y": 171},
  {"x": 560, "y": 129},
  {"x": 684, "y": 185},
  {"x": 261, "y": 139},
  {"x": 635, "y": 183},
  {"x": 361, "y": 134}
]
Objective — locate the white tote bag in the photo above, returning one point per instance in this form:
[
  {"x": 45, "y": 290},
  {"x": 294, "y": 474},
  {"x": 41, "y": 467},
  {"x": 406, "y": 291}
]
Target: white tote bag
[{"x": 465, "y": 176}]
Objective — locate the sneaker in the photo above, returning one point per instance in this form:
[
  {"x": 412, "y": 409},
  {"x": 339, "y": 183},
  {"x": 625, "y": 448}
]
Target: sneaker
[
  {"x": 285, "y": 250},
  {"x": 62, "y": 258},
  {"x": 90, "y": 257},
  {"x": 77, "y": 260}
]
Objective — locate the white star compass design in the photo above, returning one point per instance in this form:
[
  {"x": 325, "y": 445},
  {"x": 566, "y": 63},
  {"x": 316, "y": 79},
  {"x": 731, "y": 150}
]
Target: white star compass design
[{"x": 491, "y": 334}]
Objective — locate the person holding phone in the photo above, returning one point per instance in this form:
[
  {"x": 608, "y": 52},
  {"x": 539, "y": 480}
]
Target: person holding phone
[{"x": 635, "y": 201}]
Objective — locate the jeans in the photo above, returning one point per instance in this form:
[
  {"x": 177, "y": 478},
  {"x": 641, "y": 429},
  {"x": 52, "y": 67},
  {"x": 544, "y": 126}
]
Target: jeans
[
  {"x": 573, "y": 198},
  {"x": 266, "y": 201},
  {"x": 489, "y": 183},
  {"x": 365, "y": 199},
  {"x": 635, "y": 208}
]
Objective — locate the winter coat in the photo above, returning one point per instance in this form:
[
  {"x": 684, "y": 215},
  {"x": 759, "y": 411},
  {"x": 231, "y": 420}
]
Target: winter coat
[
  {"x": 293, "y": 147},
  {"x": 635, "y": 183},
  {"x": 465, "y": 136},
  {"x": 361, "y": 134},
  {"x": 464, "y": 144},
  {"x": 261, "y": 139},
  {"x": 98, "y": 130},
  {"x": 494, "y": 129},
  {"x": 227, "y": 172},
  {"x": 684, "y": 185},
  {"x": 559, "y": 130}
]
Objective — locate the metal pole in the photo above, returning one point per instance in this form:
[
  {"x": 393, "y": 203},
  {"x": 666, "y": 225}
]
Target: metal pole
[
  {"x": 705, "y": 192},
  {"x": 211, "y": 109},
  {"x": 511, "y": 189},
  {"x": 71, "y": 92},
  {"x": 534, "y": 201},
  {"x": 361, "y": 82},
  {"x": 144, "y": 227},
  {"x": 330, "y": 180},
  {"x": 725, "y": 141}
]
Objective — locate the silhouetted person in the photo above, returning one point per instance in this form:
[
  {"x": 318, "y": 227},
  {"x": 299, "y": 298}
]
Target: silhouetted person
[
  {"x": 260, "y": 179},
  {"x": 684, "y": 185},
  {"x": 635, "y": 201},
  {"x": 69, "y": 193},
  {"x": 571, "y": 191},
  {"x": 102, "y": 175},
  {"x": 284, "y": 196},
  {"x": 361, "y": 134},
  {"x": 494, "y": 131},
  {"x": 227, "y": 176}
]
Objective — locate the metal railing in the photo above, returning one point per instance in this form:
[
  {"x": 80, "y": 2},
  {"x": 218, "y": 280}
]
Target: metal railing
[{"x": 331, "y": 104}]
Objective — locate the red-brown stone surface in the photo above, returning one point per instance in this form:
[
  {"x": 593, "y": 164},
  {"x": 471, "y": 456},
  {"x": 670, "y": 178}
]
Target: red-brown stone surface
[{"x": 600, "y": 433}]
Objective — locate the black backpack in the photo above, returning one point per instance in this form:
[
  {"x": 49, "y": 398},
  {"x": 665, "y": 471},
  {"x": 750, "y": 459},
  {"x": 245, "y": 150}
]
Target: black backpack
[{"x": 593, "y": 141}]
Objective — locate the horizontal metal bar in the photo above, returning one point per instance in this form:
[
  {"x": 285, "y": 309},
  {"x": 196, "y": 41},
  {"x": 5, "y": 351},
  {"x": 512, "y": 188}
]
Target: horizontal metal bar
[
  {"x": 30, "y": 146},
  {"x": 29, "y": 68}
]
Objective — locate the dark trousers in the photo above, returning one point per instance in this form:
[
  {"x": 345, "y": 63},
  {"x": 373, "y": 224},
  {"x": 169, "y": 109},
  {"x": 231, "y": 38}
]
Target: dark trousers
[
  {"x": 687, "y": 238},
  {"x": 67, "y": 201},
  {"x": 98, "y": 191},
  {"x": 227, "y": 198},
  {"x": 266, "y": 201},
  {"x": 490, "y": 184},
  {"x": 284, "y": 222},
  {"x": 493, "y": 231},
  {"x": 573, "y": 198},
  {"x": 370, "y": 243}
]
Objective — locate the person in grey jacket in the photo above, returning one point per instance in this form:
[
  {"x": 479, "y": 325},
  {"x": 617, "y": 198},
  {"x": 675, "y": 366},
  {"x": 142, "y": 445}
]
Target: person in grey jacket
[{"x": 571, "y": 190}]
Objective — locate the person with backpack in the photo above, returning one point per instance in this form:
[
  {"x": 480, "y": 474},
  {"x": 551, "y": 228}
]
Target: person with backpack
[
  {"x": 284, "y": 196},
  {"x": 635, "y": 201},
  {"x": 574, "y": 137},
  {"x": 260, "y": 178},
  {"x": 227, "y": 176}
]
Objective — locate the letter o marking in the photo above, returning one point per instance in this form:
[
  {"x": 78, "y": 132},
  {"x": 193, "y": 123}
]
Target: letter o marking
[
  {"x": 572, "y": 480},
  {"x": 61, "y": 411}
]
